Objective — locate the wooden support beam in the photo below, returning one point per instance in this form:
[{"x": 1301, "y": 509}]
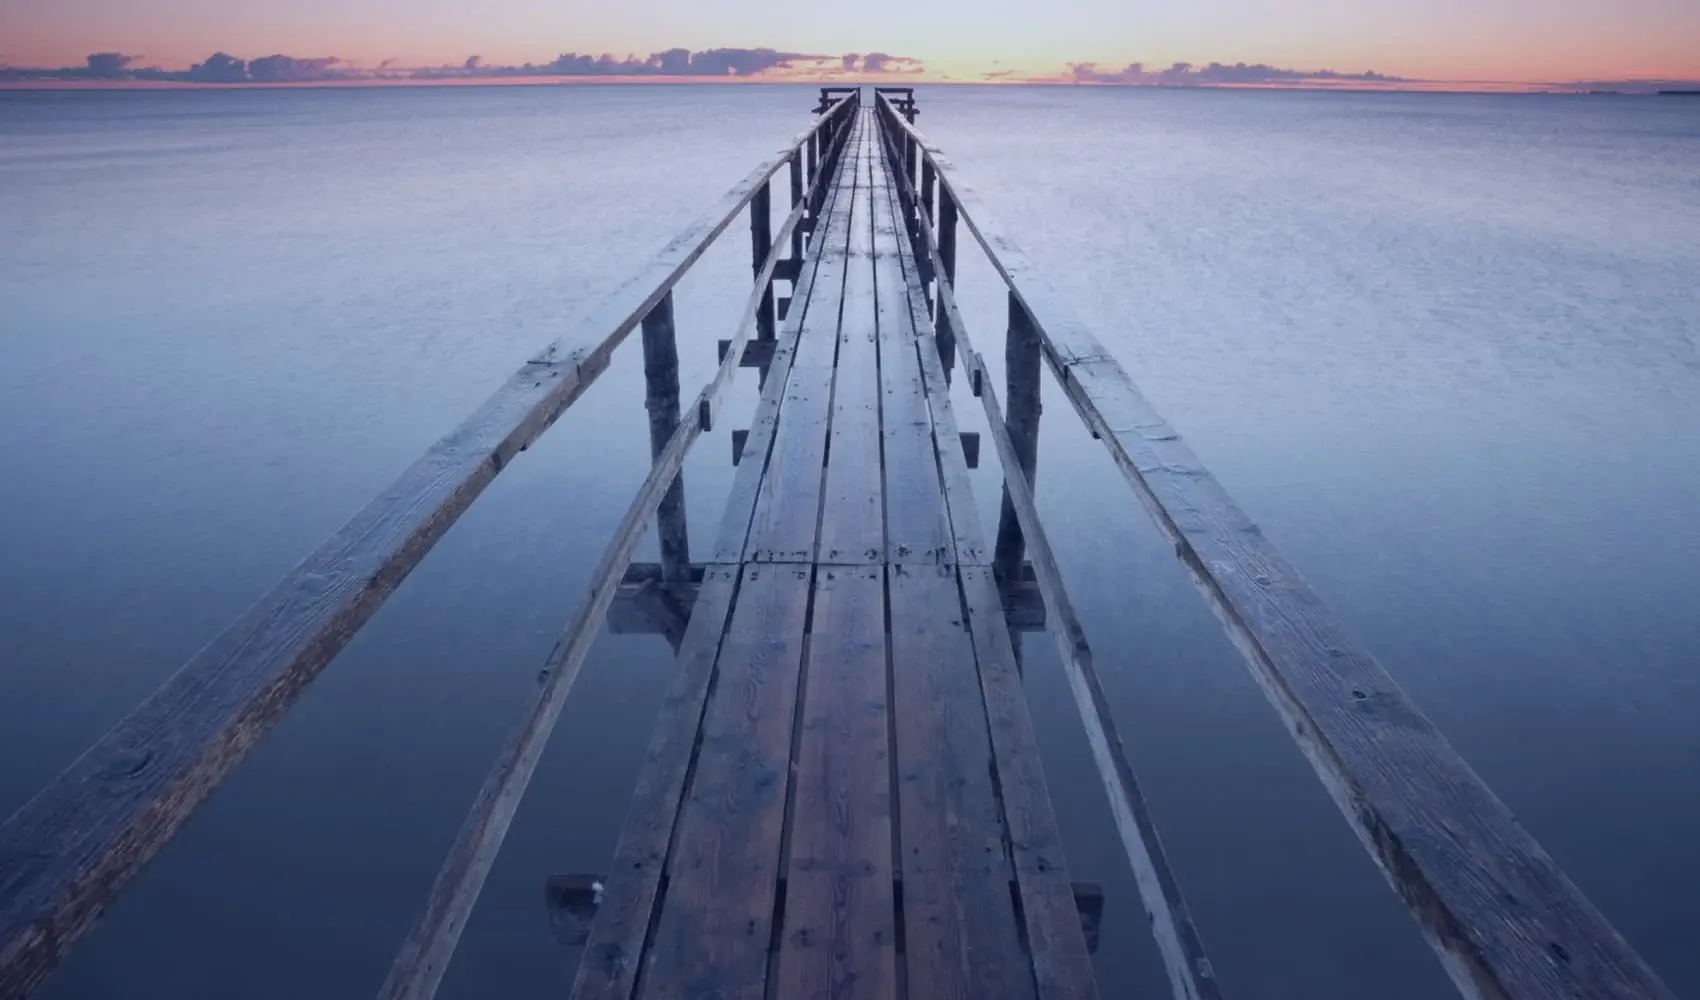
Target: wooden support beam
[
  {"x": 757, "y": 353},
  {"x": 661, "y": 392},
  {"x": 1021, "y": 372},
  {"x": 644, "y": 605},
  {"x": 971, "y": 448},
  {"x": 572, "y": 902},
  {"x": 789, "y": 268}
]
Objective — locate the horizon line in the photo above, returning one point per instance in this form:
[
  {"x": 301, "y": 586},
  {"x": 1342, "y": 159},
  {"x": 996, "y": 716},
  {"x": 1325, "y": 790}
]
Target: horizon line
[{"x": 1567, "y": 88}]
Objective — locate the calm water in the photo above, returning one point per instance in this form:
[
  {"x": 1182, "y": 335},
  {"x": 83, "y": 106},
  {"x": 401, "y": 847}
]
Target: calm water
[{"x": 1443, "y": 348}]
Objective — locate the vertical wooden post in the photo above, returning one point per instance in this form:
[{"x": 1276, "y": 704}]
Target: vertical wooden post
[
  {"x": 796, "y": 199},
  {"x": 927, "y": 215},
  {"x": 1021, "y": 418},
  {"x": 761, "y": 243},
  {"x": 947, "y": 234},
  {"x": 661, "y": 399},
  {"x": 943, "y": 335},
  {"x": 927, "y": 182}
]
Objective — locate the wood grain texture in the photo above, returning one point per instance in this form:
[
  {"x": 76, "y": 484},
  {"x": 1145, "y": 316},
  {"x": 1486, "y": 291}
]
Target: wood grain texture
[
  {"x": 1505, "y": 921},
  {"x": 1057, "y": 946},
  {"x": 1191, "y": 974},
  {"x": 967, "y": 542},
  {"x": 917, "y": 529},
  {"x": 839, "y": 939},
  {"x": 853, "y": 520},
  {"x": 609, "y": 967},
  {"x": 427, "y": 950},
  {"x": 961, "y": 938},
  {"x": 758, "y": 445},
  {"x": 785, "y": 524},
  {"x": 712, "y": 936}
]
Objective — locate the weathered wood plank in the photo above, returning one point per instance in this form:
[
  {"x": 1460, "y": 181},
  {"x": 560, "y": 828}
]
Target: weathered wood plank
[
  {"x": 917, "y": 530},
  {"x": 67, "y": 853},
  {"x": 839, "y": 941},
  {"x": 609, "y": 967},
  {"x": 1062, "y": 966},
  {"x": 968, "y": 547},
  {"x": 1057, "y": 947},
  {"x": 785, "y": 525},
  {"x": 960, "y": 931},
  {"x": 758, "y": 444},
  {"x": 712, "y": 936},
  {"x": 853, "y": 519},
  {"x": 1505, "y": 921},
  {"x": 1191, "y": 974},
  {"x": 426, "y": 952}
]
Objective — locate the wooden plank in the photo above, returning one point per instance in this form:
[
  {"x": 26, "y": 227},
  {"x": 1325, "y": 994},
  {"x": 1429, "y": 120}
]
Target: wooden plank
[
  {"x": 839, "y": 938},
  {"x": 425, "y": 954},
  {"x": 967, "y": 543},
  {"x": 785, "y": 523},
  {"x": 1505, "y": 921},
  {"x": 610, "y": 963},
  {"x": 960, "y": 931},
  {"x": 758, "y": 444},
  {"x": 69, "y": 851},
  {"x": 917, "y": 530},
  {"x": 1191, "y": 974},
  {"x": 1061, "y": 961},
  {"x": 853, "y": 520},
  {"x": 715, "y": 925}
]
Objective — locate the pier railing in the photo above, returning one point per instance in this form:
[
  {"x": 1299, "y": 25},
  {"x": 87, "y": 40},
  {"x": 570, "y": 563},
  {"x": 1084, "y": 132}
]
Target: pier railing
[
  {"x": 1504, "y": 920},
  {"x": 68, "y": 853}
]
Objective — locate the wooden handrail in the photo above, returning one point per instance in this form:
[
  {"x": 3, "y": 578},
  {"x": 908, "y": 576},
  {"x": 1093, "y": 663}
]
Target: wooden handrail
[
  {"x": 424, "y": 956},
  {"x": 1191, "y": 974},
  {"x": 1504, "y": 920},
  {"x": 68, "y": 852}
]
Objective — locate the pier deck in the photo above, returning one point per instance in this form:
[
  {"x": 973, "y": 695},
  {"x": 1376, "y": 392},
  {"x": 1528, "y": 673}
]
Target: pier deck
[
  {"x": 829, "y": 740},
  {"x": 842, "y": 797}
]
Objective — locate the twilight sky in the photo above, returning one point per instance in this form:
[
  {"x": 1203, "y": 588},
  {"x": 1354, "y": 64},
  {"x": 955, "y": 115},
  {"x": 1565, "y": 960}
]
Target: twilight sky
[{"x": 1521, "y": 40}]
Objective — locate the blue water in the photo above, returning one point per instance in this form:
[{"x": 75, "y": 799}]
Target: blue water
[{"x": 1443, "y": 348}]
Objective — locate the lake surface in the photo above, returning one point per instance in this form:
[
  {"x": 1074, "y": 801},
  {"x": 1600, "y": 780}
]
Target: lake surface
[{"x": 1445, "y": 349}]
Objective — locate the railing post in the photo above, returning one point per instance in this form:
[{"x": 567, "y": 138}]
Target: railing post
[
  {"x": 661, "y": 399},
  {"x": 947, "y": 233},
  {"x": 761, "y": 244},
  {"x": 796, "y": 199},
  {"x": 927, "y": 181},
  {"x": 1021, "y": 418}
]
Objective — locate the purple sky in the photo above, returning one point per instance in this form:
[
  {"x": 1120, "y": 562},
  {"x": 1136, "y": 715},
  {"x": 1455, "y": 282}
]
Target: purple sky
[{"x": 1514, "y": 40}]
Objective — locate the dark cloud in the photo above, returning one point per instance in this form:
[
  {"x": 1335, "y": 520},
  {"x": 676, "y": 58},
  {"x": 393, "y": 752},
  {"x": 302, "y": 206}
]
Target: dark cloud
[
  {"x": 670, "y": 62},
  {"x": 882, "y": 62},
  {"x": 288, "y": 69},
  {"x": 1625, "y": 86},
  {"x": 224, "y": 68},
  {"x": 220, "y": 67},
  {"x": 109, "y": 65},
  {"x": 1185, "y": 74}
]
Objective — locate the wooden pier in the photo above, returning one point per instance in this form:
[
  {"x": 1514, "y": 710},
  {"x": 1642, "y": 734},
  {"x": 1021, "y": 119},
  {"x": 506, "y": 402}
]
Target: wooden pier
[{"x": 842, "y": 797}]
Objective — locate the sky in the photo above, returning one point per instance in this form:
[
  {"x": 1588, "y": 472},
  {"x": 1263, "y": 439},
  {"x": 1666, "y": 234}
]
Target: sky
[{"x": 1459, "y": 40}]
